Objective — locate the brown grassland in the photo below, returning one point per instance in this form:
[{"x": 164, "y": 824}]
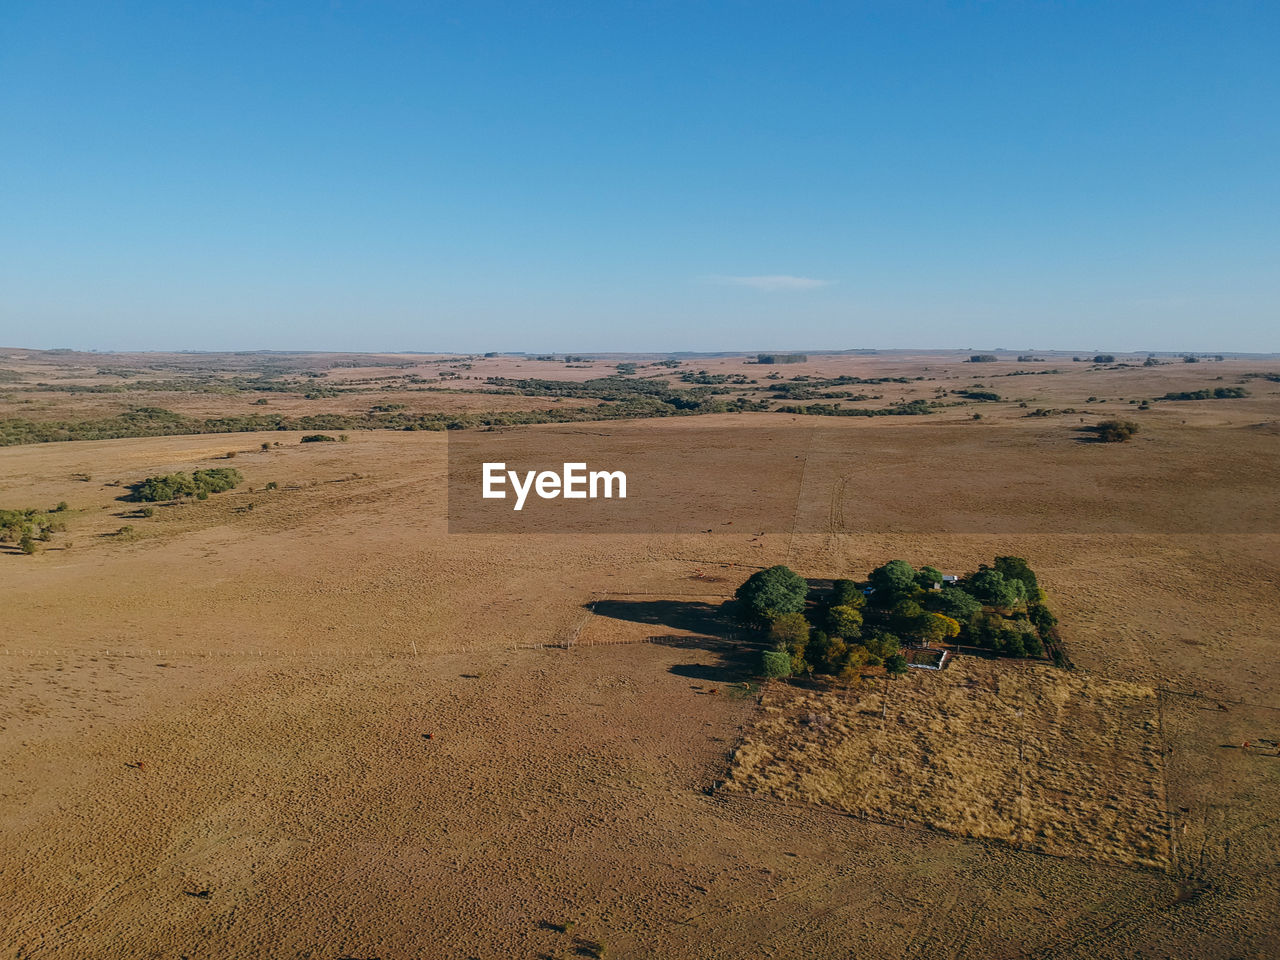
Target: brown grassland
[{"x": 325, "y": 727}]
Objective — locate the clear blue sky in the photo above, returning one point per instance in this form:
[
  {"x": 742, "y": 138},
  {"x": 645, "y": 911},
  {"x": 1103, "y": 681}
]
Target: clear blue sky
[{"x": 640, "y": 176}]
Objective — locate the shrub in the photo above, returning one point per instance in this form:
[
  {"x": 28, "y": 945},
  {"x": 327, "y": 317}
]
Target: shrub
[
  {"x": 775, "y": 664},
  {"x": 272, "y": 485},
  {"x": 1115, "y": 431},
  {"x": 26, "y": 544},
  {"x": 61, "y": 507},
  {"x": 896, "y": 665},
  {"x": 316, "y": 438},
  {"x": 174, "y": 486},
  {"x": 1104, "y": 358}
]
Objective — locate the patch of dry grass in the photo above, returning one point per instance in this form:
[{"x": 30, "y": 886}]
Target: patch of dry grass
[{"x": 1047, "y": 760}]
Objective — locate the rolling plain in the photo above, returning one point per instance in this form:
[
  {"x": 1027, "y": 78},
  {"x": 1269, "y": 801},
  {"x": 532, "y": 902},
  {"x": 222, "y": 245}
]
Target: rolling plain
[{"x": 309, "y": 721}]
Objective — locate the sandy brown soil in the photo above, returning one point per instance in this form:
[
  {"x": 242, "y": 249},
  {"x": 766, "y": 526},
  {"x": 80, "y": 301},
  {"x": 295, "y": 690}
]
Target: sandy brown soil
[{"x": 324, "y": 727}]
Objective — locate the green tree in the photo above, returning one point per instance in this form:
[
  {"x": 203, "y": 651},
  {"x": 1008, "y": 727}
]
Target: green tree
[
  {"x": 775, "y": 664},
  {"x": 770, "y": 592},
  {"x": 926, "y": 577},
  {"x": 26, "y": 544},
  {"x": 1016, "y": 568},
  {"x": 844, "y": 621},
  {"x": 954, "y": 602},
  {"x": 845, "y": 593},
  {"x": 791, "y": 631},
  {"x": 895, "y": 579},
  {"x": 991, "y": 587},
  {"x": 880, "y": 644},
  {"x": 896, "y": 665}
]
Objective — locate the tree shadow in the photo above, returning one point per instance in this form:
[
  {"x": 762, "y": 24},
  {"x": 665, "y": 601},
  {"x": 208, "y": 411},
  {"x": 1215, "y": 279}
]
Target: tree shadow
[
  {"x": 714, "y": 620},
  {"x": 710, "y": 627}
]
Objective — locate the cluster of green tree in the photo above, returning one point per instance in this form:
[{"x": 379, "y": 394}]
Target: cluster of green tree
[
  {"x": 1028, "y": 358},
  {"x": 317, "y": 438},
  {"x": 1104, "y": 358},
  {"x": 195, "y": 384},
  {"x": 28, "y": 527},
  {"x": 174, "y": 486},
  {"x": 776, "y": 358},
  {"x": 1114, "y": 431},
  {"x": 802, "y": 391},
  {"x": 157, "y": 422},
  {"x": 914, "y": 408},
  {"x": 626, "y": 369},
  {"x": 712, "y": 379},
  {"x": 978, "y": 394},
  {"x": 1217, "y": 393},
  {"x": 998, "y": 607},
  {"x": 983, "y": 358}
]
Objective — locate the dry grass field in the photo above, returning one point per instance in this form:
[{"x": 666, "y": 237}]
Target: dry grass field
[
  {"x": 325, "y": 727},
  {"x": 1045, "y": 759}
]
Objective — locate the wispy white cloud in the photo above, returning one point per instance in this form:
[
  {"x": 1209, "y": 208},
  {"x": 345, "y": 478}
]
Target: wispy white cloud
[{"x": 771, "y": 283}]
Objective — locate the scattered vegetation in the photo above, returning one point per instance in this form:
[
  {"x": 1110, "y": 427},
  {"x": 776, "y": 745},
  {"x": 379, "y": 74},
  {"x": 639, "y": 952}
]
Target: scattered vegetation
[
  {"x": 1217, "y": 393},
  {"x": 175, "y": 486},
  {"x": 1114, "y": 431},
  {"x": 317, "y": 438},
  {"x": 28, "y": 527}
]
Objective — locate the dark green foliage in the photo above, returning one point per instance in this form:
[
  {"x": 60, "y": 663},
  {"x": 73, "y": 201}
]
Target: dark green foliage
[
  {"x": 1217, "y": 393},
  {"x": 927, "y": 577},
  {"x": 1016, "y": 568},
  {"x": 26, "y": 544},
  {"x": 914, "y": 408},
  {"x": 174, "y": 486},
  {"x": 881, "y": 643},
  {"x": 775, "y": 664},
  {"x": 774, "y": 358},
  {"x": 1043, "y": 620},
  {"x": 893, "y": 581},
  {"x": 978, "y": 394},
  {"x": 845, "y": 593},
  {"x": 896, "y": 665},
  {"x": 317, "y": 438},
  {"x": 992, "y": 588},
  {"x": 777, "y": 590},
  {"x": 954, "y": 602},
  {"x": 983, "y": 358},
  {"x": 1115, "y": 431},
  {"x": 1104, "y": 358}
]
